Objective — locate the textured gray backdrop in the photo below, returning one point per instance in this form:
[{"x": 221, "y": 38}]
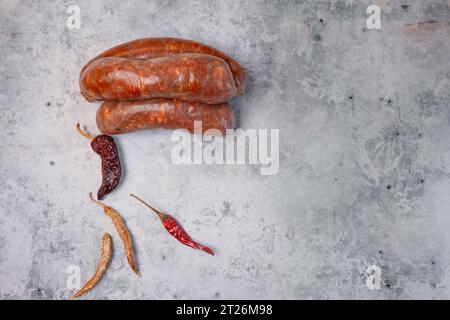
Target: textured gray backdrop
[{"x": 364, "y": 154}]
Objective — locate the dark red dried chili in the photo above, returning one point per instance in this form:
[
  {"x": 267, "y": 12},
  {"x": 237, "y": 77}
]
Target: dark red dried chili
[
  {"x": 106, "y": 148},
  {"x": 174, "y": 228}
]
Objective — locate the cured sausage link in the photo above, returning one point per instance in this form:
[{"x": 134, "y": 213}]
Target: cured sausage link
[
  {"x": 191, "y": 77},
  {"x": 149, "y": 48},
  {"x": 115, "y": 117}
]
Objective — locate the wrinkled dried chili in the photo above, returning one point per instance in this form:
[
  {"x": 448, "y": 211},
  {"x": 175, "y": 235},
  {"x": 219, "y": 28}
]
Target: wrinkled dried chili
[
  {"x": 123, "y": 232},
  {"x": 101, "y": 268},
  {"x": 106, "y": 148},
  {"x": 175, "y": 229}
]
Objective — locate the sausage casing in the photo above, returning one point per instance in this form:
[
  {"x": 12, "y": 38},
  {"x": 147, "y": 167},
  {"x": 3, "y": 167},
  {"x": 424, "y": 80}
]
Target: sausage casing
[
  {"x": 149, "y": 48},
  {"x": 115, "y": 117},
  {"x": 191, "y": 77}
]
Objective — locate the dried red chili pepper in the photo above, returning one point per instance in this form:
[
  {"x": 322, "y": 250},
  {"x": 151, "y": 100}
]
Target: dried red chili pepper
[
  {"x": 174, "y": 228},
  {"x": 106, "y": 148}
]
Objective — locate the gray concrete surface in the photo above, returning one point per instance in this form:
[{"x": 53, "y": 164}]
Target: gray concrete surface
[{"x": 364, "y": 154}]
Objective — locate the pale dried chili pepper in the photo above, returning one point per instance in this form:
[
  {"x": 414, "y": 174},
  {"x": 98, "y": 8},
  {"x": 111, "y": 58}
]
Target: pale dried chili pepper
[
  {"x": 174, "y": 228},
  {"x": 106, "y": 148},
  {"x": 123, "y": 232},
  {"x": 101, "y": 268}
]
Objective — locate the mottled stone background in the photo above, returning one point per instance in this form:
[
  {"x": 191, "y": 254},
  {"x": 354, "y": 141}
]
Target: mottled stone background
[{"x": 364, "y": 154}]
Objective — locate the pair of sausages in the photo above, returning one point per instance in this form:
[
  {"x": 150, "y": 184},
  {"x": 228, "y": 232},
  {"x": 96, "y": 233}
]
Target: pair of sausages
[{"x": 162, "y": 83}]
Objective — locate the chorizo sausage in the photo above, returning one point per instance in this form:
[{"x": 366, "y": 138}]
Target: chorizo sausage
[
  {"x": 149, "y": 48},
  {"x": 115, "y": 117},
  {"x": 188, "y": 76}
]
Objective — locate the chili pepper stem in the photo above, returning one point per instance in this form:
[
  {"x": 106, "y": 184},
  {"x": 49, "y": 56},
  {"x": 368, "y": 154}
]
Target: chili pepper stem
[
  {"x": 161, "y": 215},
  {"x": 104, "y": 206},
  {"x": 83, "y": 133}
]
